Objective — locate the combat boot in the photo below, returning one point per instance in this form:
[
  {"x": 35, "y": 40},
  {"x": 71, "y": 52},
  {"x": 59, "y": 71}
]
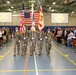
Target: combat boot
[
  {"x": 14, "y": 55},
  {"x": 14, "y": 51},
  {"x": 48, "y": 52},
  {"x": 18, "y": 53},
  {"x": 24, "y": 52},
  {"x": 40, "y": 53},
  {"x": 31, "y": 54}
]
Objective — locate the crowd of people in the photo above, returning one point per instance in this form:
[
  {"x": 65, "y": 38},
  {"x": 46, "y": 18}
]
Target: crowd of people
[
  {"x": 64, "y": 35},
  {"x": 5, "y": 35},
  {"x": 34, "y": 38}
]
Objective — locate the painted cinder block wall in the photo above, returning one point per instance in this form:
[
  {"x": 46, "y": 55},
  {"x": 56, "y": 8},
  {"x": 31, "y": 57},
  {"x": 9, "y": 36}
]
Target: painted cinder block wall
[{"x": 47, "y": 21}]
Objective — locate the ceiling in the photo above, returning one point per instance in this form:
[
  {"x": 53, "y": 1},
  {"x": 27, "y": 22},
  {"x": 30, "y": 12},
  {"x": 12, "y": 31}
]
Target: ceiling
[{"x": 58, "y": 6}]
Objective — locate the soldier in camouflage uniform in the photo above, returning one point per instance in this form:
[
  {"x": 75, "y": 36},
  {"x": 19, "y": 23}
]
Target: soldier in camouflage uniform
[
  {"x": 48, "y": 40},
  {"x": 40, "y": 41},
  {"x": 17, "y": 41},
  {"x": 32, "y": 35},
  {"x": 24, "y": 43}
]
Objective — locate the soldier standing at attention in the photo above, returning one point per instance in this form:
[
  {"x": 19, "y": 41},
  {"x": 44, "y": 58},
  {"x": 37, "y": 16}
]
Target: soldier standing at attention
[{"x": 17, "y": 41}]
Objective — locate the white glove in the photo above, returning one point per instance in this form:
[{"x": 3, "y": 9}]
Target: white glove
[
  {"x": 19, "y": 41},
  {"x": 45, "y": 37},
  {"x": 51, "y": 42},
  {"x": 24, "y": 38}
]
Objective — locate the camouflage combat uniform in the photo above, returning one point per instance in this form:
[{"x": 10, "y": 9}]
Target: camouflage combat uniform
[
  {"x": 40, "y": 41},
  {"x": 24, "y": 43},
  {"x": 16, "y": 43},
  {"x": 32, "y": 41},
  {"x": 48, "y": 42}
]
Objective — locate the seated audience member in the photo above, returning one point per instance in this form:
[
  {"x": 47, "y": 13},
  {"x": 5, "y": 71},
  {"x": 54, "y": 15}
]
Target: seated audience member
[
  {"x": 74, "y": 44},
  {"x": 63, "y": 37},
  {"x": 59, "y": 35},
  {"x": 1, "y": 38},
  {"x": 4, "y": 34},
  {"x": 10, "y": 34},
  {"x": 74, "y": 31},
  {"x": 67, "y": 31},
  {"x": 70, "y": 39}
]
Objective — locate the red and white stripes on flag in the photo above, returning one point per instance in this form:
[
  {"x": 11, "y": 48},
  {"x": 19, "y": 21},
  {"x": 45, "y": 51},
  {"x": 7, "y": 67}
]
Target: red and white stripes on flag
[
  {"x": 28, "y": 20},
  {"x": 41, "y": 19},
  {"x": 22, "y": 27}
]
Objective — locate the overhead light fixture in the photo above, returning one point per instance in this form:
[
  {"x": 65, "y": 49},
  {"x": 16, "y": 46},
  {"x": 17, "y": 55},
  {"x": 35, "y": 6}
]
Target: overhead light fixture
[
  {"x": 8, "y": 2},
  {"x": 68, "y": 1},
  {"x": 65, "y": 1},
  {"x": 52, "y": 10},
  {"x": 71, "y": 1},
  {"x": 12, "y": 7},
  {"x": 9, "y": 10},
  {"x": 73, "y": 12},
  {"x": 14, "y": 11},
  {"x": 49, "y": 8},
  {"x": 54, "y": 2}
]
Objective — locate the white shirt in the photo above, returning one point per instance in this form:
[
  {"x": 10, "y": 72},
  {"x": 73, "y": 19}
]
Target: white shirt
[
  {"x": 70, "y": 36},
  {"x": 0, "y": 34}
]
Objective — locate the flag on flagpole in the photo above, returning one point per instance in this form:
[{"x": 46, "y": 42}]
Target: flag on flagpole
[
  {"x": 41, "y": 19},
  {"x": 33, "y": 22},
  {"x": 22, "y": 27},
  {"x": 28, "y": 16}
]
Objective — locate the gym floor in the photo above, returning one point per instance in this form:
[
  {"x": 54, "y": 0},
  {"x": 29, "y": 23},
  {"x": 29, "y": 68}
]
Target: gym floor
[{"x": 61, "y": 61}]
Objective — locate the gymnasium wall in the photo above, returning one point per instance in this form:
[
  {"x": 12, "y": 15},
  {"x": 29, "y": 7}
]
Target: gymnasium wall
[
  {"x": 71, "y": 20},
  {"x": 47, "y": 21}
]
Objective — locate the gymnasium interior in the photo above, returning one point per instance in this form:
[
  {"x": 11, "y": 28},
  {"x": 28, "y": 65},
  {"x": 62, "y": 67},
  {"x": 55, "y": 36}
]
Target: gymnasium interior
[{"x": 57, "y": 15}]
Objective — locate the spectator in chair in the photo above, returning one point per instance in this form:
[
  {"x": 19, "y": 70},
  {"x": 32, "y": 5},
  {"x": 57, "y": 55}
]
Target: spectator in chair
[
  {"x": 70, "y": 39},
  {"x": 1, "y": 38},
  {"x": 74, "y": 31},
  {"x": 59, "y": 35}
]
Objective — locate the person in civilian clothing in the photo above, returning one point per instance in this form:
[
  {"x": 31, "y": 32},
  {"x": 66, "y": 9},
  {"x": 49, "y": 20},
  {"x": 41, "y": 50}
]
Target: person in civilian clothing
[
  {"x": 75, "y": 32},
  {"x": 1, "y": 38},
  {"x": 4, "y": 34},
  {"x": 59, "y": 35},
  {"x": 70, "y": 39}
]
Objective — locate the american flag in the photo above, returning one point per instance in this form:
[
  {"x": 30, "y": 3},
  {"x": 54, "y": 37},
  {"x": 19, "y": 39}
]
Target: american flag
[
  {"x": 28, "y": 17},
  {"x": 33, "y": 22},
  {"x": 22, "y": 27}
]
